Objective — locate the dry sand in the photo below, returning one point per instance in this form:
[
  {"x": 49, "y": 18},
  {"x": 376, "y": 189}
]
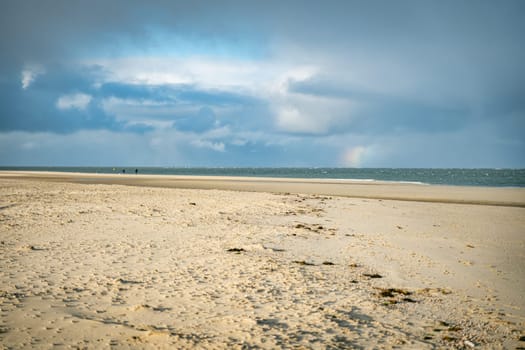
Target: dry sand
[{"x": 89, "y": 263}]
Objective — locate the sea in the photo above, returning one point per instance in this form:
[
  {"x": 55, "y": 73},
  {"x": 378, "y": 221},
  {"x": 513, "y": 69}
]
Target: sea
[{"x": 454, "y": 177}]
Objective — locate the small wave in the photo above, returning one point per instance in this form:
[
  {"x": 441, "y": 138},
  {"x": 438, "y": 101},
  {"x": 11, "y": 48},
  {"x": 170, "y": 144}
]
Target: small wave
[
  {"x": 410, "y": 182},
  {"x": 382, "y": 181},
  {"x": 349, "y": 180}
]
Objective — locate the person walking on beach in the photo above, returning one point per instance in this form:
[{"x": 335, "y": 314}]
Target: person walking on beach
[{"x": 136, "y": 171}]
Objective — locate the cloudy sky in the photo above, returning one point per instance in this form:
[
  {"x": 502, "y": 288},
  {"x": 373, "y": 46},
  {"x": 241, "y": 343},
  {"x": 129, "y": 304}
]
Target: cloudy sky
[{"x": 263, "y": 83}]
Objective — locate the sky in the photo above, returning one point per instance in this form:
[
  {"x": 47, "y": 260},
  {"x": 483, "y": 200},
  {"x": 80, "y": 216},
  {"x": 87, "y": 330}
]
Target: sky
[{"x": 405, "y": 83}]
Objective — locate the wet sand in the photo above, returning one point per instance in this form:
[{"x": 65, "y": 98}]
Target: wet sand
[
  {"x": 120, "y": 261},
  {"x": 335, "y": 187}
]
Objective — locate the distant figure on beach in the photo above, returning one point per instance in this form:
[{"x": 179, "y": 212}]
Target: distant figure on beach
[
  {"x": 123, "y": 171},
  {"x": 136, "y": 171}
]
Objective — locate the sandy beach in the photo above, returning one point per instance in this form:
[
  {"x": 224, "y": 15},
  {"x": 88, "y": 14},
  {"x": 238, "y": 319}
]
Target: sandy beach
[{"x": 126, "y": 261}]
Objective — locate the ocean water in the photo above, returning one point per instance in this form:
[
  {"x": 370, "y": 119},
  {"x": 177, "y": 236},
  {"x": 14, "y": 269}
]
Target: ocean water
[{"x": 459, "y": 177}]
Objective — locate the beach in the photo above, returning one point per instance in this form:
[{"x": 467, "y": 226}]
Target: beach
[{"x": 145, "y": 261}]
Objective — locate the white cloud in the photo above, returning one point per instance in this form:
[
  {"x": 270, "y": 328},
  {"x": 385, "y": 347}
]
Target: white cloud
[
  {"x": 158, "y": 113},
  {"x": 289, "y": 119},
  {"x": 254, "y": 77},
  {"x": 297, "y": 113},
  {"x": 294, "y": 73},
  {"x": 216, "y": 146},
  {"x": 27, "y": 78},
  {"x": 29, "y": 75},
  {"x": 239, "y": 142},
  {"x": 73, "y": 101},
  {"x": 268, "y": 81},
  {"x": 172, "y": 70}
]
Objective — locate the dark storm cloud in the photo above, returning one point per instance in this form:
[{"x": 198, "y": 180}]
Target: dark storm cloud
[
  {"x": 380, "y": 114},
  {"x": 201, "y": 121},
  {"x": 35, "y": 108},
  {"x": 135, "y": 91},
  {"x": 475, "y": 42},
  {"x": 461, "y": 57},
  {"x": 60, "y": 30},
  {"x": 431, "y": 68},
  {"x": 217, "y": 97},
  {"x": 174, "y": 93},
  {"x": 192, "y": 108},
  {"x": 481, "y": 31}
]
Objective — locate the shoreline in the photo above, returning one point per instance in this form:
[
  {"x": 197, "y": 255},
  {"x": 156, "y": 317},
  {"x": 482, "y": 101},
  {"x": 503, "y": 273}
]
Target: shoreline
[
  {"x": 56, "y": 170},
  {"x": 384, "y": 190}
]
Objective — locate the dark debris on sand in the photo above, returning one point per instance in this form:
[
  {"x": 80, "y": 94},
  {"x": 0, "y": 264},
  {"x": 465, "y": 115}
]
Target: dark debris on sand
[{"x": 236, "y": 250}]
